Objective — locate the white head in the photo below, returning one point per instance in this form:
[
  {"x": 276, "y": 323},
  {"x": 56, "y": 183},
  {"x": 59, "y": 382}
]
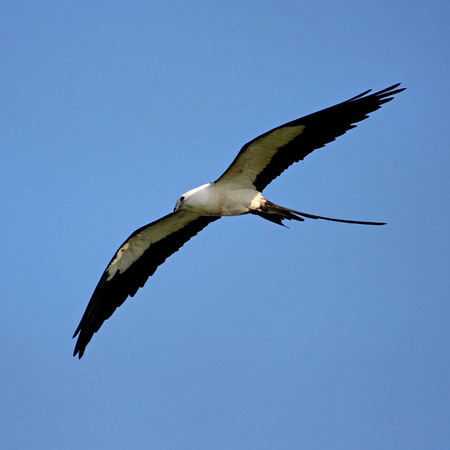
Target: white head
[{"x": 191, "y": 199}]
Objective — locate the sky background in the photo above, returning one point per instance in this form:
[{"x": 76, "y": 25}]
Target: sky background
[{"x": 253, "y": 336}]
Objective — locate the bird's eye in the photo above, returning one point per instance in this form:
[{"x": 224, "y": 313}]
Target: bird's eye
[{"x": 182, "y": 198}]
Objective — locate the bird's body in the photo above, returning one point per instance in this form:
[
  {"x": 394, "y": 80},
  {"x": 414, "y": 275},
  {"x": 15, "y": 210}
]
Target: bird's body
[
  {"x": 236, "y": 192},
  {"x": 220, "y": 199}
]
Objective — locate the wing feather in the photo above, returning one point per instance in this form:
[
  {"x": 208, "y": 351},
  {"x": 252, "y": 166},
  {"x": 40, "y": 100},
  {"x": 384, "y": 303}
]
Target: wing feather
[
  {"x": 136, "y": 260},
  {"x": 264, "y": 158}
]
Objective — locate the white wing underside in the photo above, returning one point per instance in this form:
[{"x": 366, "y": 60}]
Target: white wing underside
[
  {"x": 135, "y": 246},
  {"x": 252, "y": 160}
]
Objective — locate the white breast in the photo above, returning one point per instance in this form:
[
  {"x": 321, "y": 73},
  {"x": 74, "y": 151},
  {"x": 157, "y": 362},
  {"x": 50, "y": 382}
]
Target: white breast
[{"x": 222, "y": 200}]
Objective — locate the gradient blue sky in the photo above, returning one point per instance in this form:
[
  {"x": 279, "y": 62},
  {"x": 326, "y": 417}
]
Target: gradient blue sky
[{"x": 323, "y": 336}]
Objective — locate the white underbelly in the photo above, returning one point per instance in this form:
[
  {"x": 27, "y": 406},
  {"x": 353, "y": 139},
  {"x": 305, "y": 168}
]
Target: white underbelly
[
  {"x": 223, "y": 200},
  {"x": 235, "y": 202}
]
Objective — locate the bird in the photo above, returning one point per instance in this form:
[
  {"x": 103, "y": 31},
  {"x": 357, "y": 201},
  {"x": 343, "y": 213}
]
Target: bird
[{"x": 236, "y": 192}]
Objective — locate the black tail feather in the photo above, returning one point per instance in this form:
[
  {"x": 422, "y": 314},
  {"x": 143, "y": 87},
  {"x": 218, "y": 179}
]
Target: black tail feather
[
  {"x": 277, "y": 218},
  {"x": 277, "y": 214}
]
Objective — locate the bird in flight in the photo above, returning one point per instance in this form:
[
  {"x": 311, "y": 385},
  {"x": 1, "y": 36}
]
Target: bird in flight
[{"x": 237, "y": 191}]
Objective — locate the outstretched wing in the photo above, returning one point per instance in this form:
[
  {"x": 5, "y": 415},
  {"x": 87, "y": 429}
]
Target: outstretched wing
[
  {"x": 137, "y": 259},
  {"x": 267, "y": 156}
]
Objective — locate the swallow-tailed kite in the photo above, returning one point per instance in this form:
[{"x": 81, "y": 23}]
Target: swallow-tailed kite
[{"x": 237, "y": 191}]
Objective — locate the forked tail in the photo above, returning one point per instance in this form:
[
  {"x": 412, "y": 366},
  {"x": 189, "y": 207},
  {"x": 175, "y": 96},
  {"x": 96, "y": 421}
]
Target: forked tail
[{"x": 275, "y": 213}]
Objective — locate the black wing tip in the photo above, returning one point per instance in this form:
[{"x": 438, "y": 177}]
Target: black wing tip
[
  {"x": 80, "y": 345},
  {"x": 84, "y": 333},
  {"x": 76, "y": 331},
  {"x": 79, "y": 351},
  {"x": 383, "y": 96}
]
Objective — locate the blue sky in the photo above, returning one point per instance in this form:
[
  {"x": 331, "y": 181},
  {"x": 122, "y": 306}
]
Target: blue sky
[{"x": 319, "y": 336}]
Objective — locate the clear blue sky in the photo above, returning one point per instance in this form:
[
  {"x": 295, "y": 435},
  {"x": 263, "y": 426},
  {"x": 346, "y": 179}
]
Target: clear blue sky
[{"x": 321, "y": 336}]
